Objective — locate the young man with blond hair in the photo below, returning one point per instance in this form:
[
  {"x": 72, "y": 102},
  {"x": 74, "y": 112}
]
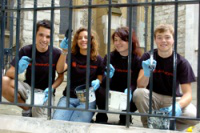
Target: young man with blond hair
[{"x": 163, "y": 79}]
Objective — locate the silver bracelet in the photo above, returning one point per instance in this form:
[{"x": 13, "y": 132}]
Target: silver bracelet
[{"x": 64, "y": 53}]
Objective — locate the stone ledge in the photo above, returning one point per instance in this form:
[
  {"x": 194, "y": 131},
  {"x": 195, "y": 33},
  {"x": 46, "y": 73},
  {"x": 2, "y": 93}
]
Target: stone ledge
[{"x": 18, "y": 124}]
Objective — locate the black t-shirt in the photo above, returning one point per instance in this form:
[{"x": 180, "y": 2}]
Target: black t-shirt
[
  {"x": 163, "y": 73},
  {"x": 78, "y": 71},
  {"x": 119, "y": 80},
  {"x": 41, "y": 66}
]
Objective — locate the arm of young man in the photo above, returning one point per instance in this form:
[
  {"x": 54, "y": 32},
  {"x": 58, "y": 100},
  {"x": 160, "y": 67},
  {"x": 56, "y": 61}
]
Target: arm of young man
[
  {"x": 11, "y": 72},
  {"x": 100, "y": 77},
  {"x": 142, "y": 80},
  {"x": 58, "y": 80},
  {"x": 187, "y": 95},
  {"x": 61, "y": 64}
]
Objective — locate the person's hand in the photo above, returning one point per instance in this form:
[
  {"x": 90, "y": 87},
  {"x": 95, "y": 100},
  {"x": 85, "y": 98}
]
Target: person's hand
[
  {"x": 178, "y": 110},
  {"x": 46, "y": 94},
  {"x": 112, "y": 71},
  {"x": 147, "y": 67},
  {"x": 23, "y": 64},
  {"x": 126, "y": 92},
  {"x": 95, "y": 84},
  {"x": 64, "y": 44}
]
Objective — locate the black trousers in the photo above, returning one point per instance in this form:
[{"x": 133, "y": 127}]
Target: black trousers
[{"x": 101, "y": 104}]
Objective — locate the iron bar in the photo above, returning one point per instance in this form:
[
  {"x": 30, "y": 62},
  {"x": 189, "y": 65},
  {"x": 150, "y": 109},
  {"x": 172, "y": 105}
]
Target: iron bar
[
  {"x": 2, "y": 45},
  {"x": 69, "y": 55},
  {"x": 51, "y": 61},
  {"x": 157, "y": 3},
  {"x": 88, "y": 53},
  {"x": 108, "y": 55},
  {"x": 130, "y": 12},
  {"x": 151, "y": 54},
  {"x": 17, "y": 51},
  {"x": 173, "y": 122},
  {"x": 33, "y": 53},
  {"x": 198, "y": 71}
]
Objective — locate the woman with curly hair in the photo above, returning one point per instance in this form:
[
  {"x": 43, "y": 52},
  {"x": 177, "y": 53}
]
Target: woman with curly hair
[{"x": 78, "y": 75}]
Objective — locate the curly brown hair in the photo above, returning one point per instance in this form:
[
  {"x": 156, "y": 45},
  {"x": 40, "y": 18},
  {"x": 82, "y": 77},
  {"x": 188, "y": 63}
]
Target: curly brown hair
[{"x": 94, "y": 43}]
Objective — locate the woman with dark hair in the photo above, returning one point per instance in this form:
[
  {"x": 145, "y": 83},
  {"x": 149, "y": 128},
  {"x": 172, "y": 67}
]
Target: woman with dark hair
[
  {"x": 119, "y": 60},
  {"x": 78, "y": 75}
]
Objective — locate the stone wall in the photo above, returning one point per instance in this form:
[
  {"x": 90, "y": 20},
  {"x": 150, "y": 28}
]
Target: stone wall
[
  {"x": 118, "y": 19},
  {"x": 26, "y": 27},
  {"x": 165, "y": 14},
  {"x": 187, "y": 35}
]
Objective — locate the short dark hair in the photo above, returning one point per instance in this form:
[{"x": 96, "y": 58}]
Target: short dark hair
[{"x": 43, "y": 23}]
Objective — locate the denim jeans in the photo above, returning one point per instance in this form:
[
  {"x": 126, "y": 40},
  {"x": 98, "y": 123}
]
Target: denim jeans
[{"x": 74, "y": 115}]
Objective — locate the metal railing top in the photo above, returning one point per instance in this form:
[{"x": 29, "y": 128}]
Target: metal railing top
[{"x": 133, "y": 4}]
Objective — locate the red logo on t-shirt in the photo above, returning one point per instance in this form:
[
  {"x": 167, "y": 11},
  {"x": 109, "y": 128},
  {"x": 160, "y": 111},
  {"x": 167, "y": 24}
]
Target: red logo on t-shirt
[
  {"x": 121, "y": 70},
  {"x": 82, "y": 66},
  {"x": 164, "y": 72},
  {"x": 73, "y": 64}
]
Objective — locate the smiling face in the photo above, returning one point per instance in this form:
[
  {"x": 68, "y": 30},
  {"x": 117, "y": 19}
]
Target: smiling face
[
  {"x": 82, "y": 41},
  {"x": 164, "y": 42},
  {"x": 120, "y": 45},
  {"x": 42, "y": 39}
]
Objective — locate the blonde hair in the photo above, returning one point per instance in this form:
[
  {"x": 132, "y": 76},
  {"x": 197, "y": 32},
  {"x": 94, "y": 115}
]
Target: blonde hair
[
  {"x": 94, "y": 43},
  {"x": 163, "y": 28}
]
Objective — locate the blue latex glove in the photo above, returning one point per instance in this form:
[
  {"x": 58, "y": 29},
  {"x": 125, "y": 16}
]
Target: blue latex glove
[
  {"x": 169, "y": 110},
  {"x": 147, "y": 67},
  {"x": 95, "y": 84},
  {"x": 112, "y": 71},
  {"x": 23, "y": 64},
  {"x": 46, "y": 94},
  {"x": 126, "y": 92},
  {"x": 64, "y": 44}
]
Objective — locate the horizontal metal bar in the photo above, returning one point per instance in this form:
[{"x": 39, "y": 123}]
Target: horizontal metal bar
[
  {"x": 107, "y": 5},
  {"x": 102, "y": 111}
]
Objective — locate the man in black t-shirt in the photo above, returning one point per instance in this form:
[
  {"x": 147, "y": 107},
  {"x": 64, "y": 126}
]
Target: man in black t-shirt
[
  {"x": 162, "y": 66},
  {"x": 41, "y": 72}
]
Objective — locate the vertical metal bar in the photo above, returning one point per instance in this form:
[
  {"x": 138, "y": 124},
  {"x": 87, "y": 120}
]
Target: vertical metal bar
[
  {"x": 69, "y": 54},
  {"x": 146, "y": 27},
  {"x": 17, "y": 47},
  {"x": 2, "y": 44},
  {"x": 33, "y": 53},
  {"x": 88, "y": 52},
  {"x": 129, "y": 62},
  {"x": 11, "y": 34},
  {"x": 50, "y": 60},
  {"x": 173, "y": 127},
  {"x": 151, "y": 53},
  {"x": 108, "y": 54},
  {"x": 198, "y": 76}
]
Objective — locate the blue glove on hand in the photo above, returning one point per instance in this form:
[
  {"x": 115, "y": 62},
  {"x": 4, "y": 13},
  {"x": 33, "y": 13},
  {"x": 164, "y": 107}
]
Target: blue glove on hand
[
  {"x": 112, "y": 71},
  {"x": 64, "y": 44},
  {"x": 46, "y": 94},
  {"x": 169, "y": 110},
  {"x": 23, "y": 64},
  {"x": 95, "y": 84},
  {"x": 126, "y": 92},
  {"x": 147, "y": 67}
]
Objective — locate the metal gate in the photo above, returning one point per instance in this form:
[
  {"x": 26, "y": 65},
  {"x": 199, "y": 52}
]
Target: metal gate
[{"x": 8, "y": 8}]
